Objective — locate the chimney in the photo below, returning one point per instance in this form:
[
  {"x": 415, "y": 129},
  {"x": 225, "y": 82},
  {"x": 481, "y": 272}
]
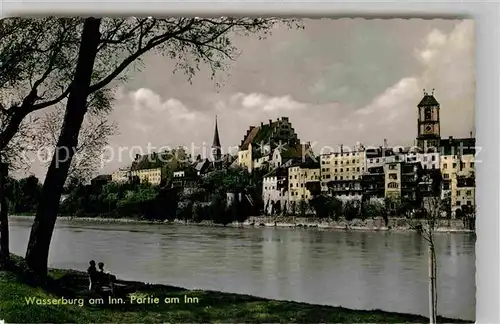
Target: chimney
[
  {"x": 137, "y": 156},
  {"x": 261, "y": 124},
  {"x": 270, "y": 122},
  {"x": 470, "y": 134},
  {"x": 385, "y": 142},
  {"x": 341, "y": 149}
]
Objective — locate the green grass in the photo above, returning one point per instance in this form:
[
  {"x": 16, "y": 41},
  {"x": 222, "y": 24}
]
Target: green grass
[{"x": 213, "y": 307}]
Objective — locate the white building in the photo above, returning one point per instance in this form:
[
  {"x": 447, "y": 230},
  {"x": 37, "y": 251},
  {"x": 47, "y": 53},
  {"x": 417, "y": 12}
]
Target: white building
[
  {"x": 429, "y": 160},
  {"x": 272, "y": 194},
  {"x": 178, "y": 174}
]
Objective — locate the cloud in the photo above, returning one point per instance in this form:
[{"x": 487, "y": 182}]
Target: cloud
[
  {"x": 339, "y": 81},
  {"x": 266, "y": 103},
  {"x": 448, "y": 67}
]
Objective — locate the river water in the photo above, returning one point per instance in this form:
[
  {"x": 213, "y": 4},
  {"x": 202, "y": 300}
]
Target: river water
[{"x": 361, "y": 270}]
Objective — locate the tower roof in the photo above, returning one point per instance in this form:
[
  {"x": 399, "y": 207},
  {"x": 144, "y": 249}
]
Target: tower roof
[
  {"x": 428, "y": 100},
  {"x": 216, "y": 142}
]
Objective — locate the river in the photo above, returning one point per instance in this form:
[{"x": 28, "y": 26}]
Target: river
[{"x": 361, "y": 270}]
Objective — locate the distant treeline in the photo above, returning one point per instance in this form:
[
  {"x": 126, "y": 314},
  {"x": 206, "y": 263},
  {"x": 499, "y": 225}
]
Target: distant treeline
[{"x": 207, "y": 200}]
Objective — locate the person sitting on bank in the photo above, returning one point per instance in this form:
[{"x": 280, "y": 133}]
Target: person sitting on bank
[
  {"x": 93, "y": 275},
  {"x": 105, "y": 277}
]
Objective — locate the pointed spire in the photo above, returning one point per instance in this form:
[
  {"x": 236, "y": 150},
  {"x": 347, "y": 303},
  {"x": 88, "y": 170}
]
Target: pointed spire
[{"x": 216, "y": 142}]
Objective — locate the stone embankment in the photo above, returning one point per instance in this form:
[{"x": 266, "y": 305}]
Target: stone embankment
[{"x": 372, "y": 224}]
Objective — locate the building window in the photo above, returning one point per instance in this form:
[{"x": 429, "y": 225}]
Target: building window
[
  {"x": 353, "y": 161},
  {"x": 433, "y": 158},
  {"x": 454, "y": 165},
  {"x": 347, "y": 169},
  {"x": 341, "y": 178},
  {"x": 469, "y": 203},
  {"x": 357, "y": 169},
  {"x": 341, "y": 170},
  {"x": 472, "y": 164},
  {"x": 353, "y": 177},
  {"x": 468, "y": 193},
  {"x": 445, "y": 166},
  {"x": 392, "y": 185},
  {"x": 295, "y": 176},
  {"x": 458, "y": 202},
  {"x": 393, "y": 176},
  {"x": 427, "y": 114}
]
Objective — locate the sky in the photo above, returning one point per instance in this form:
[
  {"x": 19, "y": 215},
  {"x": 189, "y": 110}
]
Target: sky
[{"x": 340, "y": 81}]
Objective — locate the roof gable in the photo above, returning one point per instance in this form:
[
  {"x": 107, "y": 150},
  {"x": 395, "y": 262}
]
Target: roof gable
[{"x": 428, "y": 100}]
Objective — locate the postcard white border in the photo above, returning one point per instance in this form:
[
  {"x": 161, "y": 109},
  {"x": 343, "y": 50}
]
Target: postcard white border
[{"x": 487, "y": 17}]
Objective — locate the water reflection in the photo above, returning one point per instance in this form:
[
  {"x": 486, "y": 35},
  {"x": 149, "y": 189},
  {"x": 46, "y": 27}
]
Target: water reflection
[{"x": 363, "y": 270}]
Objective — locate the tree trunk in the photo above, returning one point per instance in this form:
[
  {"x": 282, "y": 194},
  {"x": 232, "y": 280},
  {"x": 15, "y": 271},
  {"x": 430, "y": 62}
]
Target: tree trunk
[
  {"x": 4, "y": 220},
  {"x": 12, "y": 127},
  {"x": 432, "y": 283},
  {"x": 41, "y": 232}
]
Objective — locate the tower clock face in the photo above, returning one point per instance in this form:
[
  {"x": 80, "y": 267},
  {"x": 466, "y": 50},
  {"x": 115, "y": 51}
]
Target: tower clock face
[{"x": 428, "y": 129}]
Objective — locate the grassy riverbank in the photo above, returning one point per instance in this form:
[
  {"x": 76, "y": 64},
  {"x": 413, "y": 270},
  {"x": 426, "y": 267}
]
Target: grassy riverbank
[{"x": 210, "y": 306}]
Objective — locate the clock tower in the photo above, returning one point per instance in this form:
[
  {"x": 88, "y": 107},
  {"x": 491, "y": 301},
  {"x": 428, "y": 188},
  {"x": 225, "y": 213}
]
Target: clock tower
[{"x": 429, "y": 133}]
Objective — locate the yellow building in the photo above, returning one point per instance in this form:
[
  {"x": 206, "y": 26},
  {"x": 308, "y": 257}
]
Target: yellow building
[
  {"x": 260, "y": 142},
  {"x": 458, "y": 183},
  {"x": 298, "y": 177},
  {"x": 342, "y": 166},
  {"x": 152, "y": 176},
  {"x": 392, "y": 173},
  {"x": 245, "y": 158},
  {"x": 120, "y": 176}
]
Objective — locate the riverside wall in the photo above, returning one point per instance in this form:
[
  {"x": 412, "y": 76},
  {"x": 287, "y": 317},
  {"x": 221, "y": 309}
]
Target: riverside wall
[{"x": 371, "y": 224}]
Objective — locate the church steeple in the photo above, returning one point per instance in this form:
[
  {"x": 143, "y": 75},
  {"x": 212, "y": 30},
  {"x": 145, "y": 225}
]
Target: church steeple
[
  {"x": 216, "y": 141},
  {"x": 216, "y": 148},
  {"x": 428, "y": 122}
]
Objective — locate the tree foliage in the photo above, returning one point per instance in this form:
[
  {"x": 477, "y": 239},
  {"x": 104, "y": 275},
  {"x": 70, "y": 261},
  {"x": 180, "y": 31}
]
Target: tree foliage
[{"x": 93, "y": 139}]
